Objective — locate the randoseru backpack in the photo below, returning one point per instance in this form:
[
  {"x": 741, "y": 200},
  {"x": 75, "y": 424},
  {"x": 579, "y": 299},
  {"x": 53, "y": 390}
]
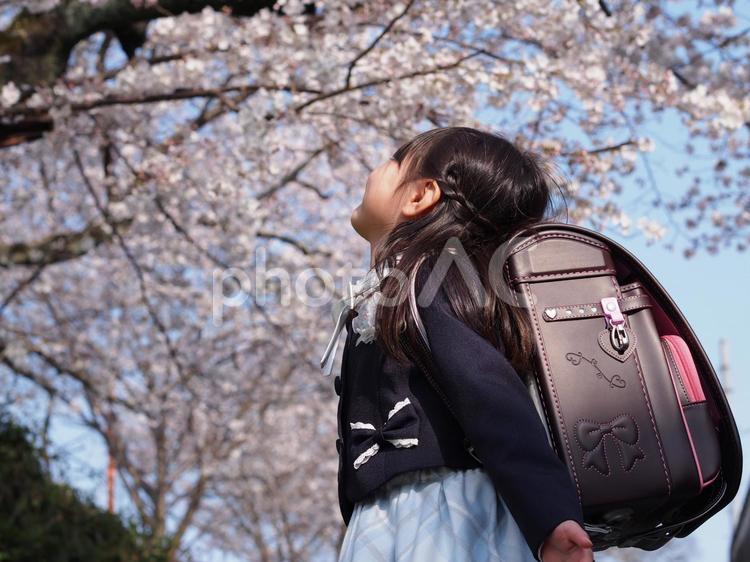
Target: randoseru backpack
[{"x": 629, "y": 398}]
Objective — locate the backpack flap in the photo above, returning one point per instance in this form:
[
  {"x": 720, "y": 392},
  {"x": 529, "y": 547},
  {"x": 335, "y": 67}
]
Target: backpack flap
[
  {"x": 633, "y": 408},
  {"x": 705, "y": 417}
]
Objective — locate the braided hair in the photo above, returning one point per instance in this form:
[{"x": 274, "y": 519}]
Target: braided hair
[{"x": 490, "y": 190}]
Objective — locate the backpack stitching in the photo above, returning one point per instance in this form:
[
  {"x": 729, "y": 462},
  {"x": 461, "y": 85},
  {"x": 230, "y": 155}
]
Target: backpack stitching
[
  {"x": 552, "y": 385},
  {"x": 648, "y": 404}
]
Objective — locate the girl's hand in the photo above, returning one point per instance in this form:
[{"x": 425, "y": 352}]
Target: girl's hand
[{"x": 569, "y": 542}]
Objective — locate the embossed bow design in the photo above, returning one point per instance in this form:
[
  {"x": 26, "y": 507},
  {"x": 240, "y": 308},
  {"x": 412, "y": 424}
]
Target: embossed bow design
[
  {"x": 399, "y": 430},
  {"x": 591, "y": 437}
]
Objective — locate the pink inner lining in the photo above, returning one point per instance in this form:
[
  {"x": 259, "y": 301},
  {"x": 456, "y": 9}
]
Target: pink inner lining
[
  {"x": 685, "y": 363},
  {"x": 690, "y": 437},
  {"x": 673, "y": 346},
  {"x": 667, "y": 330}
]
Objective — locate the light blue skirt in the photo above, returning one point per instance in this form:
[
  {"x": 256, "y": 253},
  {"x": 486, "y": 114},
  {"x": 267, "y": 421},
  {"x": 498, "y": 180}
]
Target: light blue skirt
[{"x": 432, "y": 515}]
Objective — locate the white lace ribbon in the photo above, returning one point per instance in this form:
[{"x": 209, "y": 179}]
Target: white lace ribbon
[{"x": 358, "y": 293}]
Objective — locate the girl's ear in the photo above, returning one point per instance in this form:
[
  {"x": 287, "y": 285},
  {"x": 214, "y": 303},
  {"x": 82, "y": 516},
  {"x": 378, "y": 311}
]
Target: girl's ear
[{"x": 423, "y": 195}]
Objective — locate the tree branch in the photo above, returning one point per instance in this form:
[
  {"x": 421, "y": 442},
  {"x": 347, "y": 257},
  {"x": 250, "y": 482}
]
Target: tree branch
[
  {"x": 382, "y": 80},
  {"x": 292, "y": 241},
  {"x": 37, "y": 45},
  {"x": 60, "y": 246},
  {"x": 375, "y": 41}
]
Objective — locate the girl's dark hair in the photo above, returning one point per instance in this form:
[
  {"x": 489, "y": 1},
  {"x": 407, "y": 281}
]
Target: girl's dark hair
[{"x": 490, "y": 190}]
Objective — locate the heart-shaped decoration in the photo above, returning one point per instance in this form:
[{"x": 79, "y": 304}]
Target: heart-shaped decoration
[{"x": 606, "y": 345}]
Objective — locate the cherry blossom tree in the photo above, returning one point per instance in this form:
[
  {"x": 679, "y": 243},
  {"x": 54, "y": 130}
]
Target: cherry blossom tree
[{"x": 152, "y": 147}]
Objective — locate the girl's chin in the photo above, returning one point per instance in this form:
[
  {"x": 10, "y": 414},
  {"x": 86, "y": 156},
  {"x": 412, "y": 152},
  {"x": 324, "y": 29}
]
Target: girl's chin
[{"x": 357, "y": 222}]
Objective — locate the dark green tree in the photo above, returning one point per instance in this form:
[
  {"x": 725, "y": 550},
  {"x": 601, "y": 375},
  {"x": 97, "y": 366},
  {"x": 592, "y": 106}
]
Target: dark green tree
[{"x": 44, "y": 520}]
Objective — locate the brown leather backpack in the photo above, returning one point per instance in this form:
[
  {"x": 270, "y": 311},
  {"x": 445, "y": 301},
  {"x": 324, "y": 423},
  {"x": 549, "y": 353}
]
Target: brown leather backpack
[{"x": 627, "y": 393}]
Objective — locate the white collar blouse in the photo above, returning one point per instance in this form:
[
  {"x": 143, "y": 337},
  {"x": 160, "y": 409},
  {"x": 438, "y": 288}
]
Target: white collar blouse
[{"x": 363, "y": 297}]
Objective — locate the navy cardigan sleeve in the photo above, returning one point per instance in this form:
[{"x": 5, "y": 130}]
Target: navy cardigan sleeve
[{"x": 498, "y": 416}]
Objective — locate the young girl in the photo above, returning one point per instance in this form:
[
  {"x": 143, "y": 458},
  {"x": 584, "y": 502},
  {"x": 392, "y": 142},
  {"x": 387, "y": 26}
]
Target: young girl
[{"x": 464, "y": 471}]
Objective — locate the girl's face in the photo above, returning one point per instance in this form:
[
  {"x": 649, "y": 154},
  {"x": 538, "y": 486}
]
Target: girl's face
[{"x": 380, "y": 209}]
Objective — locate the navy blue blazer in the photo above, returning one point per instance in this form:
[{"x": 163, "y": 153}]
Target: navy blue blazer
[{"x": 391, "y": 420}]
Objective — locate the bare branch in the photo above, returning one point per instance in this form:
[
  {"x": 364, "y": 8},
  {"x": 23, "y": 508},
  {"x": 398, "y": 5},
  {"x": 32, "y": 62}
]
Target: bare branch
[
  {"x": 609, "y": 148},
  {"x": 289, "y": 240},
  {"x": 59, "y": 247},
  {"x": 292, "y": 175},
  {"x": 383, "y": 80},
  {"x": 38, "y": 45},
  {"x": 375, "y": 41}
]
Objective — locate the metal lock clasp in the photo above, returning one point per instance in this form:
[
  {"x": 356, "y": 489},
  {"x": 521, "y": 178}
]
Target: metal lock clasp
[{"x": 618, "y": 337}]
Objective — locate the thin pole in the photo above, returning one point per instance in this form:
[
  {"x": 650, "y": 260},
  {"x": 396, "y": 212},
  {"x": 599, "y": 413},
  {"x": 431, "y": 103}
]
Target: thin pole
[{"x": 111, "y": 482}]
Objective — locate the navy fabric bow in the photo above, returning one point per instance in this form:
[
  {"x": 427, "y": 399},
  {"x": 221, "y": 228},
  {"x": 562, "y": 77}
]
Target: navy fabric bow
[{"x": 399, "y": 430}]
